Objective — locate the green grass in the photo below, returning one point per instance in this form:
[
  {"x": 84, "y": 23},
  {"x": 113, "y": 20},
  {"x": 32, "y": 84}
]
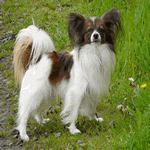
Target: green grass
[{"x": 132, "y": 128}]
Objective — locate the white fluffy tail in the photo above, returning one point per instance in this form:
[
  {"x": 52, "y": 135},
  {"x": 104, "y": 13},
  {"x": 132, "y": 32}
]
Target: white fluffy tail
[
  {"x": 42, "y": 43},
  {"x": 31, "y": 43}
]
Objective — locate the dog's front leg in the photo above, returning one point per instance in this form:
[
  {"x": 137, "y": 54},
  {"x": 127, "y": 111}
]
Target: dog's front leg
[
  {"x": 77, "y": 98},
  {"x": 72, "y": 103},
  {"x": 72, "y": 128}
]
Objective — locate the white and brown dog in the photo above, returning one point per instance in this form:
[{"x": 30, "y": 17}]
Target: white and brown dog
[{"x": 79, "y": 77}]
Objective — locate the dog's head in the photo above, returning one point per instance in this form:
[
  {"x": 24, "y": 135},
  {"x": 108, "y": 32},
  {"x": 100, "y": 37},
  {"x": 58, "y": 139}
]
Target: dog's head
[{"x": 94, "y": 30}]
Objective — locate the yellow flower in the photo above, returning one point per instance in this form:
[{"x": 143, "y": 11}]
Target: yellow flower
[{"x": 143, "y": 86}]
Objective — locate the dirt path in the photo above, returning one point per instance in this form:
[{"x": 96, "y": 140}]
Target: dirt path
[{"x": 7, "y": 116}]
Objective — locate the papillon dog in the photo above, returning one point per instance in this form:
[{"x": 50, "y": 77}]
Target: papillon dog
[{"x": 80, "y": 77}]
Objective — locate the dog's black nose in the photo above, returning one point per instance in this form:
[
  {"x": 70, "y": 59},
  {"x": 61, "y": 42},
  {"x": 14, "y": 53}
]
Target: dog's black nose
[{"x": 95, "y": 36}]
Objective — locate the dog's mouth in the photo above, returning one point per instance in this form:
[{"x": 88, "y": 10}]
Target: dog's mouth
[{"x": 96, "y": 41}]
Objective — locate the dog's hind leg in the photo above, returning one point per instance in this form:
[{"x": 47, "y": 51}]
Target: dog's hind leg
[
  {"x": 94, "y": 116},
  {"x": 30, "y": 101},
  {"x": 22, "y": 123},
  {"x": 23, "y": 115},
  {"x": 35, "y": 91},
  {"x": 29, "y": 104},
  {"x": 99, "y": 119}
]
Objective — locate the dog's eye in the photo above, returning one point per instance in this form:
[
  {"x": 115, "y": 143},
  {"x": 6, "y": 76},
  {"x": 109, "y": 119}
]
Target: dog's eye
[
  {"x": 100, "y": 29},
  {"x": 90, "y": 30}
]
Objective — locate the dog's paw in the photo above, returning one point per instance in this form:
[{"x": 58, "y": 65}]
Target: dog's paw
[
  {"x": 74, "y": 131},
  {"x": 99, "y": 119},
  {"x": 24, "y": 137}
]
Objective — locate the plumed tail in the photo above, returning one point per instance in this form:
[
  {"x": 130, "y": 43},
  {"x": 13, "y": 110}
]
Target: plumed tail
[
  {"x": 31, "y": 43},
  {"x": 42, "y": 42},
  {"x": 22, "y": 51}
]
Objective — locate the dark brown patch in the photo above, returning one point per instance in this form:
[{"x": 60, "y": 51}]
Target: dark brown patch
[{"x": 61, "y": 66}]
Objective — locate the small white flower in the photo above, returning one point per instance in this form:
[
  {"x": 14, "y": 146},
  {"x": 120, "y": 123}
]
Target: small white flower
[
  {"x": 119, "y": 107},
  {"x": 131, "y": 79},
  {"x": 125, "y": 99},
  {"x": 126, "y": 109}
]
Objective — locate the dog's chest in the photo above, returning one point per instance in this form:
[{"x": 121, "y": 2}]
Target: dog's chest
[{"x": 96, "y": 64}]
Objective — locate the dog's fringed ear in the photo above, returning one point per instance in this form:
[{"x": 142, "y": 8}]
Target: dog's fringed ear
[
  {"x": 111, "y": 23},
  {"x": 75, "y": 27},
  {"x": 111, "y": 20}
]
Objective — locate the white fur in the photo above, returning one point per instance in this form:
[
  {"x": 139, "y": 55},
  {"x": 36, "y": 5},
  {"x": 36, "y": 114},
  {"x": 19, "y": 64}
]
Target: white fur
[
  {"x": 93, "y": 19},
  {"x": 42, "y": 42}
]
